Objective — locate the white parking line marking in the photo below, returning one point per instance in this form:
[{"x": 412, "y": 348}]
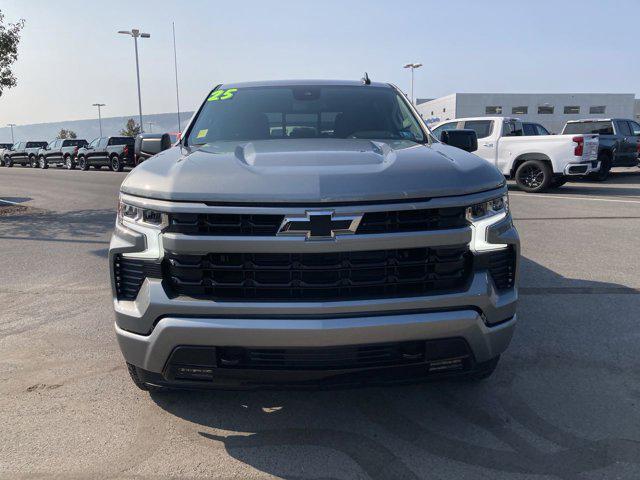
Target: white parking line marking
[
  {"x": 567, "y": 197},
  {"x": 11, "y": 203}
]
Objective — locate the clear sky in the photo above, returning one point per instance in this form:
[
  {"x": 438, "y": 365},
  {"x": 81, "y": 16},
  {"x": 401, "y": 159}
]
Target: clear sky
[{"x": 71, "y": 55}]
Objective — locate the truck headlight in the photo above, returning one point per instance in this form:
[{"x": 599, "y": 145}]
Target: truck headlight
[
  {"x": 483, "y": 215},
  {"x": 128, "y": 213}
]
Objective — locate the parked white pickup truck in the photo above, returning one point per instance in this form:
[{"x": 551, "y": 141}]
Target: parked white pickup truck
[{"x": 535, "y": 162}]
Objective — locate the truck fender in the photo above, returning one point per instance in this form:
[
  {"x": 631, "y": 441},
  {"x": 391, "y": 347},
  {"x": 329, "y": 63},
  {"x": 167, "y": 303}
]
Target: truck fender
[{"x": 520, "y": 159}]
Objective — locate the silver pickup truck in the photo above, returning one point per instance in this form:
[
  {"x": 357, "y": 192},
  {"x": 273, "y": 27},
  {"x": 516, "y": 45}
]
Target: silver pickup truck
[{"x": 312, "y": 232}]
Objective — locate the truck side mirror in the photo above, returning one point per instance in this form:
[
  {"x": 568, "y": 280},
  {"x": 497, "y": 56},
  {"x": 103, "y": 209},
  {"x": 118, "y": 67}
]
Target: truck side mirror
[
  {"x": 466, "y": 139},
  {"x": 165, "y": 142}
]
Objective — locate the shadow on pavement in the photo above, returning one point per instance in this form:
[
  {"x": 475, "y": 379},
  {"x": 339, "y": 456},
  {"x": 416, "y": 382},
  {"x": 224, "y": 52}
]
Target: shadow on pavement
[
  {"x": 406, "y": 432},
  {"x": 83, "y": 226}
]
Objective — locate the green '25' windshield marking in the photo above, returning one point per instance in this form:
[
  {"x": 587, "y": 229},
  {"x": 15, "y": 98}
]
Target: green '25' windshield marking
[{"x": 222, "y": 95}]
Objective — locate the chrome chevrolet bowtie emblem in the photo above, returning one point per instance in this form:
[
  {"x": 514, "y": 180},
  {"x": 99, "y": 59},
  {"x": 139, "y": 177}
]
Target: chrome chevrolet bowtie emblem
[{"x": 320, "y": 225}]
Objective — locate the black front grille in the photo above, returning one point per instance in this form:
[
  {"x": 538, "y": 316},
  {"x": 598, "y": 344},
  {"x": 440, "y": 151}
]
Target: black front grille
[
  {"x": 413, "y": 220},
  {"x": 319, "y": 276},
  {"x": 129, "y": 274},
  {"x": 268, "y": 225},
  {"x": 224, "y": 224}
]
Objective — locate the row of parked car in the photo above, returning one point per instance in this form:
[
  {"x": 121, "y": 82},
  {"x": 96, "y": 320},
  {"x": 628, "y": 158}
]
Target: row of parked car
[
  {"x": 116, "y": 153},
  {"x": 523, "y": 151},
  {"x": 537, "y": 160}
]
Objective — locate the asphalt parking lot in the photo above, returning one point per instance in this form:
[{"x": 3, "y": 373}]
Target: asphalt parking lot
[{"x": 563, "y": 404}]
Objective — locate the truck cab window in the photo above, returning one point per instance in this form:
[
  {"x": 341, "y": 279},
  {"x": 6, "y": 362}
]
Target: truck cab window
[{"x": 483, "y": 128}]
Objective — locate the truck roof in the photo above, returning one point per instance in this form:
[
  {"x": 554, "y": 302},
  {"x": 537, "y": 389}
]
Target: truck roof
[
  {"x": 586, "y": 120},
  {"x": 289, "y": 83}
]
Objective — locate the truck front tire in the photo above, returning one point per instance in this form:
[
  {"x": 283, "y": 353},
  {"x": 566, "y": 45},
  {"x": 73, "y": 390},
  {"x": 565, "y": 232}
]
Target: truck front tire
[
  {"x": 33, "y": 161},
  {"x": 82, "y": 162},
  {"x": 133, "y": 372},
  {"x": 8, "y": 162},
  {"x": 68, "y": 163},
  {"x": 116, "y": 164},
  {"x": 484, "y": 370},
  {"x": 605, "y": 168},
  {"x": 43, "y": 163},
  {"x": 534, "y": 176}
]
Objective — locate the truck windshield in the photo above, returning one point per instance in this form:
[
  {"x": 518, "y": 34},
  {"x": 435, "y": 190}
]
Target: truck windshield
[
  {"x": 602, "y": 128},
  {"x": 294, "y": 112}
]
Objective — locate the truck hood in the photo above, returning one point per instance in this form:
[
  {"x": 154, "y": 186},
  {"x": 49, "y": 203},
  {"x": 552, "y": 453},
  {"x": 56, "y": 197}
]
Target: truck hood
[{"x": 310, "y": 171}]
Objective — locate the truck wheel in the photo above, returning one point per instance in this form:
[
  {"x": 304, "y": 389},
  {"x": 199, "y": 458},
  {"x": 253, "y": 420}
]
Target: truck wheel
[
  {"x": 484, "y": 370},
  {"x": 133, "y": 372},
  {"x": 8, "y": 162},
  {"x": 82, "y": 163},
  {"x": 534, "y": 176},
  {"x": 33, "y": 161},
  {"x": 116, "y": 164},
  {"x": 605, "y": 168},
  {"x": 69, "y": 163},
  {"x": 559, "y": 181},
  {"x": 43, "y": 163}
]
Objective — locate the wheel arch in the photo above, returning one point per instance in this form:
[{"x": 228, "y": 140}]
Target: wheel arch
[{"x": 529, "y": 156}]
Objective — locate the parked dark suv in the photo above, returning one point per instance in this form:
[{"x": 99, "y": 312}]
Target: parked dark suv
[
  {"x": 619, "y": 142},
  {"x": 113, "y": 152},
  {"x": 60, "y": 152}
]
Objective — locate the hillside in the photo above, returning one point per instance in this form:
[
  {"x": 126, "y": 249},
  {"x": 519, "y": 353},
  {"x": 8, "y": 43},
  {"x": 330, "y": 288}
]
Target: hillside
[{"x": 89, "y": 129}]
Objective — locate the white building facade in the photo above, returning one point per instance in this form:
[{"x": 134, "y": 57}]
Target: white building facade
[{"x": 552, "y": 110}]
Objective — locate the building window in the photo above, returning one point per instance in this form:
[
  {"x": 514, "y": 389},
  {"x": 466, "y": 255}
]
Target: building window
[
  {"x": 493, "y": 110},
  {"x": 432, "y": 113},
  {"x": 545, "y": 109},
  {"x": 571, "y": 110},
  {"x": 444, "y": 110},
  {"x": 520, "y": 110},
  {"x": 599, "y": 109}
]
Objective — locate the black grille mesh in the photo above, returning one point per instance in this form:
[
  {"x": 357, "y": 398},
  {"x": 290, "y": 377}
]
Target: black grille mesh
[
  {"x": 319, "y": 276},
  {"x": 268, "y": 225}
]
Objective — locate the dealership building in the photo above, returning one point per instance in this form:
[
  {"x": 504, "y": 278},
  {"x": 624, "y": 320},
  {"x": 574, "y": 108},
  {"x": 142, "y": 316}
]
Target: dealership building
[{"x": 549, "y": 109}]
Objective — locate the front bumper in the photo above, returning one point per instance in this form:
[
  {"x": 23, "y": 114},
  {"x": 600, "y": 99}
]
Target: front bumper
[{"x": 150, "y": 353}]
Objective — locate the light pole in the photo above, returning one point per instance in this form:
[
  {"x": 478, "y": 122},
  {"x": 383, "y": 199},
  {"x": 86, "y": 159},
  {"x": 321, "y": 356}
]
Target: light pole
[
  {"x": 11, "y": 125},
  {"x": 99, "y": 115},
  {"x": 412, "y": 66},
  {"x": 151, "y": 124},
  {"x": 175, "y": 64},
  {"x": 135, "y": 33}
]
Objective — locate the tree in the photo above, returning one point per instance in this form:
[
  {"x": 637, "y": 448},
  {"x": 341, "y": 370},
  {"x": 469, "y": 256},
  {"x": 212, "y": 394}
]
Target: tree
[
  {"x": 131, "y": 129},
  {"x": 64, "y": 133},
  {"x": 9, "y": 39}
]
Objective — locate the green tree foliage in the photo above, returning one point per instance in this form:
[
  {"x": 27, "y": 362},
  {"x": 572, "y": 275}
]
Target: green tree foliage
[
  {"x": 9, "y": 40},
  {"x": 131, "y": 129},
  {"x": 64, "y": 133}
]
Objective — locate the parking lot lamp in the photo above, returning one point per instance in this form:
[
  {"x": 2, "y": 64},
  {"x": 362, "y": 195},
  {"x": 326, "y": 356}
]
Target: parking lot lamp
[
  {"x": 135, "y": 33},
  {"x": 412, "y": 66},
  {"x": 11, "y": 125},
  {"x": 99, "y": 115}
]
